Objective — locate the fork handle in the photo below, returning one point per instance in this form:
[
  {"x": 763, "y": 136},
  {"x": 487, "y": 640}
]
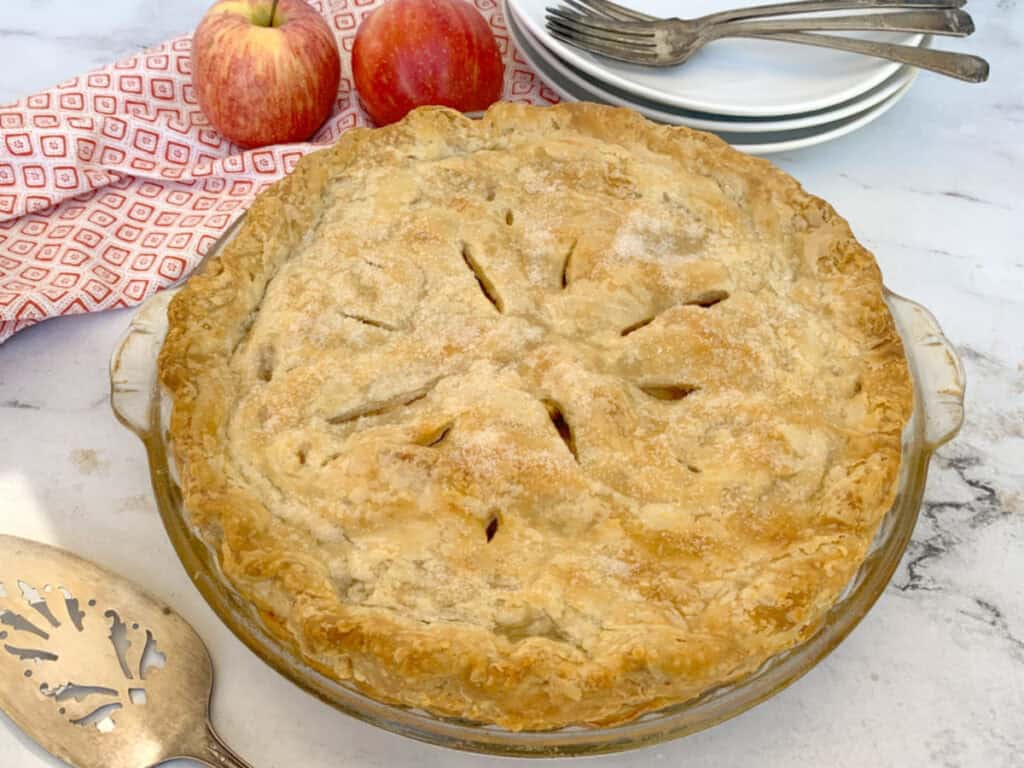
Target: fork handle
[
  {"x": 951, "y": 23},
  {"x": 815, "y": 6},
  {"x": 962, "y": 66}
]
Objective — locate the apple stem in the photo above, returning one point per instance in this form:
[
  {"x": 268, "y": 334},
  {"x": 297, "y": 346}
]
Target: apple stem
[{"x": 273, "y": 10}]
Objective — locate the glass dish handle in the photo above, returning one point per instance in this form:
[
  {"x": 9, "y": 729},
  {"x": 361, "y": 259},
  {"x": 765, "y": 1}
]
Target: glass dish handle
[
  {"x": 133, "y": 376},
  {"x": 939, "y": 372}
]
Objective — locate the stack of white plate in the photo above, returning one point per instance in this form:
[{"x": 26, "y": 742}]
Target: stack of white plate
[{"x": 760, "y": 96}]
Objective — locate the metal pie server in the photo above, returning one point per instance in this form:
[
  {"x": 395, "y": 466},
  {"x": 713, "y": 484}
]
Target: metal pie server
[{"x": 97, "y": 672}]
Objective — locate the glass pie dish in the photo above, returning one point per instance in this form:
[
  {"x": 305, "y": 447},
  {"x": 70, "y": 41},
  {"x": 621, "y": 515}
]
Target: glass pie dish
[{"x": 938, "y": 376}]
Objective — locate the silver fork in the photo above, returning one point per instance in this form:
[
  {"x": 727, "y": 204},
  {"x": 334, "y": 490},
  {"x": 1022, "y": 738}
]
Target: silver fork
[
  {"x": 784, "y": 9},
  {"x": 620, "y": 33}
]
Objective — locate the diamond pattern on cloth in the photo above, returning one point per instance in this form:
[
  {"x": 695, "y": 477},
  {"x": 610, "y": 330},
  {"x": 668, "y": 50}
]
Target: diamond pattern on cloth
[{"x": 114, "y": 185}]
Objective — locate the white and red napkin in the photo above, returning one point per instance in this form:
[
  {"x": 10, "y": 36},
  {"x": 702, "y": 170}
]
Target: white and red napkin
[{"x": 113, "y": 185}]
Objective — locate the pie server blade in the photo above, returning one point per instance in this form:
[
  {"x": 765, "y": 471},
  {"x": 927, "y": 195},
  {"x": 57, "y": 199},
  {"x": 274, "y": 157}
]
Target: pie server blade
[{"x": 98, "y": 673}]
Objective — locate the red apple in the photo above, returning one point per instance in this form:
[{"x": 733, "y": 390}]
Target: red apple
[
  {"x": 410, "y": 53},
  {"x": 265, "y": 72}
]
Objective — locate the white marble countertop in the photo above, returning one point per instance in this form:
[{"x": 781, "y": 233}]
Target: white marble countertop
[{"x": 934, "y": 676}]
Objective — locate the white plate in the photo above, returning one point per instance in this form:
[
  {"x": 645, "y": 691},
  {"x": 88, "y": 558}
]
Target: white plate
[
  {"x": 762, "y": 143},
  {"x": 786, "y": 141},
  {"x": 752, "y": 78},
  {"x": 559, "y": 74}
]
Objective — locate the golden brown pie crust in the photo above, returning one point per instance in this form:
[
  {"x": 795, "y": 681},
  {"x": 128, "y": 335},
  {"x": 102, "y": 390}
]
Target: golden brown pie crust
[{"x": 554, "y": 417}]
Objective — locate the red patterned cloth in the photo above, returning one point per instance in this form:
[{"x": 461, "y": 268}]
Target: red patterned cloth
[{"x": 113, "y": 184}]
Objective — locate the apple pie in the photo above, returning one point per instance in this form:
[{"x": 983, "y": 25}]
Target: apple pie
[{"x": 554, "y": 417}]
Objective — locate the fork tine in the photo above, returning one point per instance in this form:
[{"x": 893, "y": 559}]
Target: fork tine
[
  {"x": 625, "y": 44},
  {"x": 603, "y": 44},
  {"x": 586, "y": 10},
  {"x": 638, "y": 30},
  {"x": 610, "y": 51},
  {"x": 616, "y": 11},
  {"x": 584, "y": 36}
]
